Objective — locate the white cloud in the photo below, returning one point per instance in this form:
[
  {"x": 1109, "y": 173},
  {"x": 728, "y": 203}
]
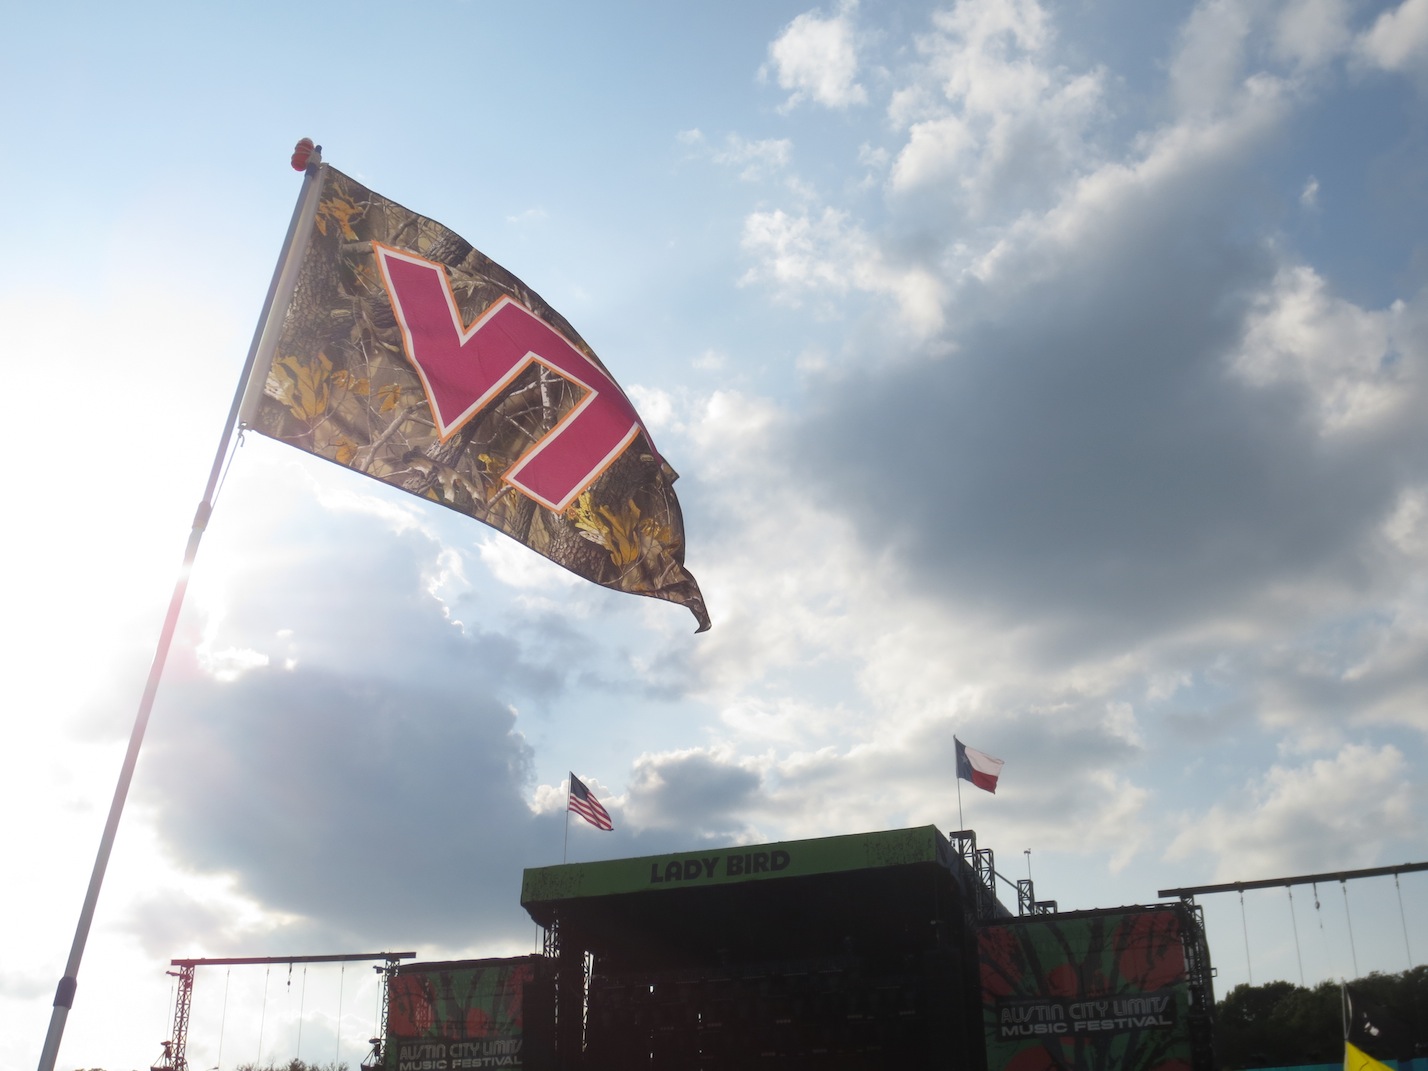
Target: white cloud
[
  {"x": 874, "y": 158},
  {"x": 1349, "y": 358},
  {"x": 935, "y": 148},
  {"x": 656, "y": 407},
  {"x": 1290, "y": 820},
  {"x": 827, "y": 255},
  {"x": 755, "y": 159},
  {"x": 518, "y": 566},
  {"x": 1398, "y": 39},
  {"x": 1131, "y": 494},
  {"x": 1206, "y": 73},
  {"x": 1170, "y": 169},
  {"x": 1407, "y": 526},
  {"x": 816, "y": 58},
  {"x": 711, "y": 360},
  {"x": 983, "y": 52},
  {"x": 989, "y": 112},
  {"x": 1309, "y": 33},
  {"x": 529, "y": 215}
]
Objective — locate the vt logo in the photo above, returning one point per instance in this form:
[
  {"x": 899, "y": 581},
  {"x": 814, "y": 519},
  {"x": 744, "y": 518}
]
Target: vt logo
[{"x": 463, "y": 368}]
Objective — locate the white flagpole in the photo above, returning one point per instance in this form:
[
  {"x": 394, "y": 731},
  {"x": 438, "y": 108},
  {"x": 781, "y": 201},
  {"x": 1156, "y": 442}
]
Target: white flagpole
[
  {"x": 280, "y": 291},
  {"x": 961, "y": 822}
]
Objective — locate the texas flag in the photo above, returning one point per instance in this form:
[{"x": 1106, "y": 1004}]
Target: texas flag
[{"x": 977, "y": 766}]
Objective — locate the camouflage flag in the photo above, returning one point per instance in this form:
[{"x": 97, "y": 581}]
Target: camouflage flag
[{"x": 411, "y": 357}]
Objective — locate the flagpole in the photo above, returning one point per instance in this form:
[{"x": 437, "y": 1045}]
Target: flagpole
[
  {"x": 280, "y": 291},
  {"x": 565, "y": 848},
  {"x": 961, "y": 822}
]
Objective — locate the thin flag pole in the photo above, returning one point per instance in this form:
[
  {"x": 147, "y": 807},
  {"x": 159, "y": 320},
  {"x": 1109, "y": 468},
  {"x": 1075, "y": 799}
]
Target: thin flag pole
[
  {"x": 961, "y": 822},
  {"x": 280, "y": 291},
  {"x": 565, "y": 849}
]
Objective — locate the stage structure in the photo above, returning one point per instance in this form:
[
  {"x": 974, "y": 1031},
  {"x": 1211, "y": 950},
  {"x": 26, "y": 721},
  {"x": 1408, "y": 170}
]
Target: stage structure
[
  {"x": 873, "y": 951},
  {"x": 1343, "y": 877},
  {"x": 462, "y": 1014},
  {"x": 1116, "y": 989},
  {"x": 845, "y": 952},
  {"x": 175, "y": 1050}
]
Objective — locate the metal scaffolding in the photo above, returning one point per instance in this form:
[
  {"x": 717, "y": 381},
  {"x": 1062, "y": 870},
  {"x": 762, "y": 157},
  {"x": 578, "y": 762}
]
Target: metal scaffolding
[{"x": 175, "y": 1054}]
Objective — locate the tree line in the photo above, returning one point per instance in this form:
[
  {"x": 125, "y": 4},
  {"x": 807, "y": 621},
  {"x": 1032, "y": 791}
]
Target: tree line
[{"x": 1280, "y": 1024}]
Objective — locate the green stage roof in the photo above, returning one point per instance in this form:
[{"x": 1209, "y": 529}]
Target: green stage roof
[{"x": 735, "y": 865}]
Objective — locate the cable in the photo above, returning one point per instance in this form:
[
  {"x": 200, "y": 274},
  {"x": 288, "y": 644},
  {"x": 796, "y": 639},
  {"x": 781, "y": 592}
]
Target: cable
[
  {"x": 223, "y": 1019},
  {"x": 263, "y": 1016},
  {"x": 227, "y": 464},
  {"x": 1403, "y": 919},
  {"x": 1329, "y": 953},
  {"x": 302, "y": 1003},
  {"x": 337, "y": 1050},
  {"x": 1295, "y": 922},
  {"x": 1344, "y": 885},
  {"x": 1244, "y": 927}
]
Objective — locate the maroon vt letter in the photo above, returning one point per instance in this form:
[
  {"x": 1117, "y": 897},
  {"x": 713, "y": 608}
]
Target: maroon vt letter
[{"x": 465, "y": 368}]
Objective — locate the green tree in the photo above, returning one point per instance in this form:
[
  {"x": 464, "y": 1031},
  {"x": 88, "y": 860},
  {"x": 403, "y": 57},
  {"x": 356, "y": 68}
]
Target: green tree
[
  {"x": 1245, "y": 1031},
  {"x": 1280, "y": 1024}
]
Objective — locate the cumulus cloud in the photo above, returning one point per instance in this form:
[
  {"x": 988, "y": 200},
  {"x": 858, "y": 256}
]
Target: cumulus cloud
[
  {"x": 1350, "y": 359},
  {"x": 1207, "y": 70},
  {"x": 336, "y": 799},
  {"x": 1093, "y": 463},
  {"x": 755, "y": 159},
  {"x": 1148, "y": 459},
  {"x": 988, "y": 114},
  {"x": 367, "y": 774},
  {"x": 816, "y": 59},
  {"x": 1094, "y": 398},
  {"x": 1070, "y": 408},
  {"x": 1290, "y": 820},
  {"x": 825, "y": 254},
  {"x": 692, "y": 789},
  {"x": 1398, "y": 39},
  {"x": 1309, "y": 33}
]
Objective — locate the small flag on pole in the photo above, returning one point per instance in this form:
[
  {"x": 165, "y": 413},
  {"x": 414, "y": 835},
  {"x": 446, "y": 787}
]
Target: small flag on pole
[
  {"x": 977, "y": 766},
  {"x": 409, "y": 356},
  {"x": 584, "y": 803},
  {"x": 1372, "y": 1035}
]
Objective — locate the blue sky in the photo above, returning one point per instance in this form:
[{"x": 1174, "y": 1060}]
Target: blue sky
[{"x": 1050, "y": 374}]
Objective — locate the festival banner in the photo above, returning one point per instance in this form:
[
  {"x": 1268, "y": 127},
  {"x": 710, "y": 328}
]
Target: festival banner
[
  {"x": 409, "y": 356},
  {"x": 1086, "y": 992},
  {"x": 461, "y": 1014}
]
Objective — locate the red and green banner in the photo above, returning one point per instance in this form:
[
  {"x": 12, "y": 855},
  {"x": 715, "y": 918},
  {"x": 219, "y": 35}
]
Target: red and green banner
[
  {"x": 452, "y": 1016},
  {"x": 409, "y": 356},
  {"x": 1086, "y": 992}
]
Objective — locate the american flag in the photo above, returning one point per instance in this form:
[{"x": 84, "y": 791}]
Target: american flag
[{"x": 583, "y": 803}]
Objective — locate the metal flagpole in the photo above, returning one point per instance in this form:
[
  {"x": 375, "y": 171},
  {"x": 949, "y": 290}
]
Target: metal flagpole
[
  {"x": 280, "y": 291},
  {"x": 961, "y": 822},
  {"x": 565, "y": 849}
]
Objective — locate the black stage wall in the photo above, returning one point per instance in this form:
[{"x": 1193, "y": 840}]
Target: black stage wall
[{"x": 843, "y": 952}]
